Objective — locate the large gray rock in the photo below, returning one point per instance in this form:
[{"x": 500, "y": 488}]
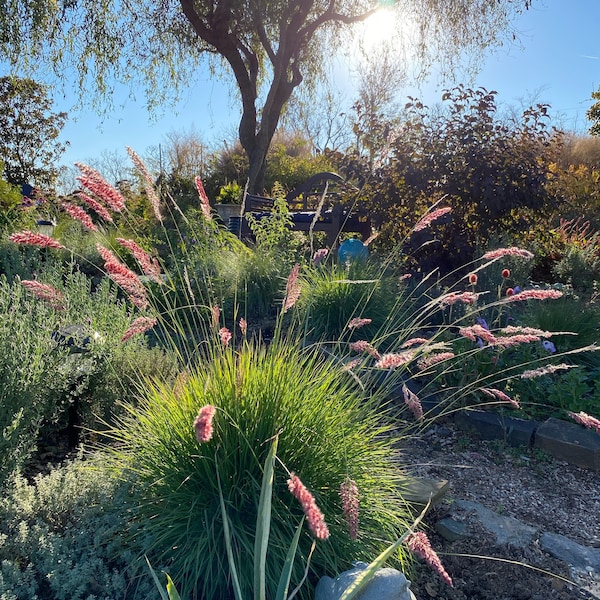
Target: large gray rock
[{"x": 387, "y": 584}]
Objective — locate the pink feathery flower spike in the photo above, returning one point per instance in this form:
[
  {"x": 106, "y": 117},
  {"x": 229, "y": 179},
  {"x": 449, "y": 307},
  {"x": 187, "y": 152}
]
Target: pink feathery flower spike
[
  {"x": 513, "y": 251},
  {"x": 243, "y": 326},
  {"x": 475, "y": 331},
  {"x": 35, "y": 239},
  {"x": 586, "y": 420},
  {"x": 45, "y": 292},
  {"x": 414, "y": 342},
  {"x": 315, "y": 518},
  {"x": 419, "y": 544},
  {"x": 216, "y": 315},
  {"x": 433, "y": 359},
  {"x": 364, "y": 346},
  {"x": 393, "y": 360},
  {"x": 79, "y": 215},
  {"x": 547, "y": 370},
  {"x": 500, "y": 395},
  {"x": 292, "y": 288},
  {"x": 535, "y": 295},
  {"x": 148, "y": 265},
  {"x": 454, "y": 297},
  {"x": 357, "y": 323},
  {"x": 429, "y": 218},
  {"x": 204, "y": 423},
  {"x": 515, "y": 340},
  {"x": 95, "y": 183},
  {"x": 124, "y": 277},
  {"x": 225, "y": 336},
  {"x": 204, "y": 202},
  {"x": 412, "y": 401},
  {"x": 320, "y": 255},
  {"x": 98, "y": 208},
  {"x": 147, "y": 181},
  {"x": 139, "y": 326},
  {"x": 350, "y": 505}
]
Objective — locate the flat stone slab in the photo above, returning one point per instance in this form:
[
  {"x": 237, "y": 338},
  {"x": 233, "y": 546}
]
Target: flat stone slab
[
  {"x": 508, "y": 530},
  {"x": 570, "y": 442},
  {"x": 420, "y": 491},
  {"x": 570, "y": 552},
  {"x": 452, "y": 530},
  {"x": 493, "y": 426}
]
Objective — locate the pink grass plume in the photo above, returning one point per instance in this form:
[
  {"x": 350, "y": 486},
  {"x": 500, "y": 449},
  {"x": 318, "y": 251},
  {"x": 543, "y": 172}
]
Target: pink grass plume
[
  {"x": 430, "y": 360},
  {"x": 319, "y": 256},
  {"x": 314, "y": 516},
  {"x": 139, "y": 326},
  {"x": 30, "y": 238},
  {"x": 586, "y": 420},
  {"x": 364, "y": 346},
  {"x": 431, "y": 217},
  {"x": 512, "y": 251},
  {"x": 292, "y": 288},
  {"x": 350, "y": 505},
  {"x": 204, "y": 202},
  {"x": 96, "y": 206},
  {"x": 243, "y": 326},
  {"x": 393, "y": 360},
  {"x": 95, "y": 183},
  {"x": 147, "y": 181},
  {"x": 501, "y": 396},
  {"x": 462, "y": 297},
  {"x": 149, "y": 265},
  {"x": 79, "y": 215},
  {"x": 45, "y": 292},
  {"x": 419, "y": 544},
  {"x": 534, "y": 295},
  {"x": 225, "y": 336},
  {"x": 215, "y": 313},
  {"x": 413, "y": 403},
  {"x": 203, "y": 423},
  {"x": 357, "y": 323},
  {"x": 547, "y": 370}
]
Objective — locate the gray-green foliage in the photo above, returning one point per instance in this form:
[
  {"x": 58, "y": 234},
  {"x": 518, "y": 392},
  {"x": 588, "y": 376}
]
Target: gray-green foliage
[
  {"x": 60, "y": 539},
  {"x": 40, "y": 379}
]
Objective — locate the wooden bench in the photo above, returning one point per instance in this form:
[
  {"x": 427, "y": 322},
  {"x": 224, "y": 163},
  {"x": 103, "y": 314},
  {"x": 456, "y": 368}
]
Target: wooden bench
[{"x": 336, "y": 215}]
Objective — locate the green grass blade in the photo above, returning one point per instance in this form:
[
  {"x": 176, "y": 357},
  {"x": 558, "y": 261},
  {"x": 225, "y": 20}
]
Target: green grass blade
[
  {"x": 171, "y": 590},
  {"x": 159, "y": 585},
  {"x": 234, "y": 574},
  {"x": 286, "y": 572},
  {"x": 263, "y": 525},
  {"x": 365, "y": 577}
]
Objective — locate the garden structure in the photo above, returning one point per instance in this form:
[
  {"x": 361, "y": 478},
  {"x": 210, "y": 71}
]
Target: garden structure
[{"x": 324, "y": 202}]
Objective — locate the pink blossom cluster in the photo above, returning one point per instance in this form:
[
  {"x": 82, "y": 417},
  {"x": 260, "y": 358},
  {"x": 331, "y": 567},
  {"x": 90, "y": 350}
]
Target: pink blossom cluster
[
  {"x": 95, "y": 183},
  {"x": 393, "y": 360},
  {"x": 204, "y": 201},
  {"x": 98, "y": 208},
  {"x": 351, "y": 364},
  {"x": 350, "y": 505},
  {"x": 364, "y": 346},
  {"x": 419, "y": 544},
  {"x": 454, "y": 297},
  {"x": 320, "y": 255},
  {"x": 357, "y": 323},
  {"x": 139, "y": 326},
  {"x": 414, "y": 342},
  {"x": 477, "y": 331},
  {"x": 501, "y": 396},
  {"x": 147, "y": 181},
  {"x": 148, "y": 265},
  {"x": 429, "y": 360},
  {"x": 79, "y": 215},
  {"x": 46, "y": 293},
  {"x": 292, "y": 288},
  {"x": 225, "y": 336},
  {"x": 203, "y": 423},
  {"x": 547, "y": 370},
  {"x": 314, "y": 516},
  {"x": 412, "y": 402},
  {"x": 243, "y": 326},
  {"x": 513, "y": 251},
  {"x": 124, "y": 277},
  {"x": 35, "y": 239},
  {"x": 535, "y": 295},
  {"x": 429, "y": 218},
  {"x": 586, "y": 420}
]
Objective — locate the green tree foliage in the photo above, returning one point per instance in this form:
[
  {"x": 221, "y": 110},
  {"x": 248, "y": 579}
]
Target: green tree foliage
[
  {"x": 29, "y": 132},
  {"x": 489, "y": 171},
  {"x": 269, "y": 47},
  {"x": 593, "y": 114}
]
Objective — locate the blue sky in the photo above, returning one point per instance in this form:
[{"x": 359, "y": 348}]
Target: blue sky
[{"x": 557, "y": 61}]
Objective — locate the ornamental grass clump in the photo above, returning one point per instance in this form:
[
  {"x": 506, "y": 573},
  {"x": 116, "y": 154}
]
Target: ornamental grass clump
[{"x": 328, "y": 434}]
